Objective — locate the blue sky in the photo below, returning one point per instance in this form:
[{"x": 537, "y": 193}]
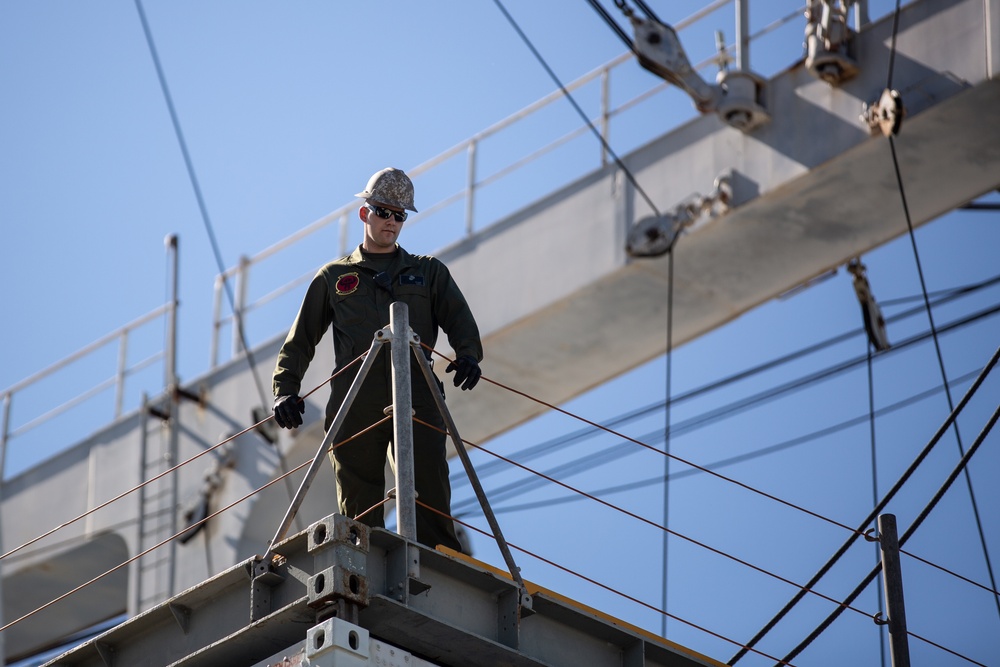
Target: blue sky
[{"x": 286, "y": 110}]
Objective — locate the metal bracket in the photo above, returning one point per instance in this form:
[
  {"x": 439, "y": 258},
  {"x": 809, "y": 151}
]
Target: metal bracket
[
  {"x": 884, "y": 115},
  {"x": 107, "y": 653},
  {"x": 181, "y": 614},
  {"x": 264, "y": 578}
]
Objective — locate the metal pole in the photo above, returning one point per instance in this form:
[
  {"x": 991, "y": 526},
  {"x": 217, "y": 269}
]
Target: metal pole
[
  {"x": 242, "y": 278},
  {"x": 892, "y": 580},
  {"x": 381, "y": 337},
  {"x": 173, "y": 412},
  {"x": 120, "y": 374},
  {"x": 605, "y": 113},
  {"x": 402, "y": 420},
  {"x": 742, "y": 35},
  {"x": 3, "y": 469},
  {"x": 470, "y": 188},
  {"x": 515, "y": 571}
]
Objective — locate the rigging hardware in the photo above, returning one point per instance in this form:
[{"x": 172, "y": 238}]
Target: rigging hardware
[
  {"x": 830, "y": 42},
  {"x": 737, "y": 97},
  {"x": 656, "y": 234},
  {"x": 870, "y": 311},
  {"x": 885, "y": 114}
]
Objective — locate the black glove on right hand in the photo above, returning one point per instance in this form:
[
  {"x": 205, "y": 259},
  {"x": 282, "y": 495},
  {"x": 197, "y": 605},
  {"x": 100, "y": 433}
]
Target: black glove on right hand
[{"x": 288, "y": 411}]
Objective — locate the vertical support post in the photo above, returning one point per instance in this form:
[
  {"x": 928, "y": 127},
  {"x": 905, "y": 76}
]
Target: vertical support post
[
  {"x": 402, "y": 420},
  {"x": 3, "y": 469},
  {"x": 120, "y": 374},
  {"x": 343, "y": 234},
  {"x": 173, "y": 413},
  {"x": 242, "y": 278},
  {"x": 605, "y": 113},
  {"x": 216, "y": 320},
  {"x": 742, "y": 35},
  {"x": 892, "y": 580},
  {"x": 470, "y": 188},
  {"x": 5, "y": 435}
]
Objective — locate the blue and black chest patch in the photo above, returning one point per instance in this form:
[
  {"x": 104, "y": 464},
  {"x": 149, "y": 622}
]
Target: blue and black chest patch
[{"x": 411, "y": 280}]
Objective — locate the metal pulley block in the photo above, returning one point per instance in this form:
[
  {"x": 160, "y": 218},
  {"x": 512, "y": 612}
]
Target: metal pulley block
[{"x": 885, "y": 115}]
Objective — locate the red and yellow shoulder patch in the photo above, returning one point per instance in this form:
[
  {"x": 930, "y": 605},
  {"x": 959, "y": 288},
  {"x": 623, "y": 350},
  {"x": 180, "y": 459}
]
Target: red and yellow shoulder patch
[{"x": 347, "y": 283}]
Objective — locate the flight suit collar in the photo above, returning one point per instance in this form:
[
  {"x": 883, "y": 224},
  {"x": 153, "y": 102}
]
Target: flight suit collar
[{"x": 403, "y": 259}]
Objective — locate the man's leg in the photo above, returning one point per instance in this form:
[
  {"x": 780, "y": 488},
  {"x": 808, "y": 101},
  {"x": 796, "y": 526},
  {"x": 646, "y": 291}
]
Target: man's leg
[{"x": 359, "y": 466}]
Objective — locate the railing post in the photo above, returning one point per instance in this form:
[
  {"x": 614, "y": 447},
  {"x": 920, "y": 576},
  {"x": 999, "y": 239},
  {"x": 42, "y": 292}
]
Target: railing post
[
  {"x": 742, "y": 35},
  {"x": 605, "y": 113},
  {"x": 470, "y": 188},
  {"x": 242, "y": 278},
  {"x": 216, "y": 321},
  {"x": 170, "y": 360},
  {"x": 4, "y": 435},
  {"x": 120, "y": 374},
  {"x": 3, "y": 470},
  {"x": 173, "y": 412},
  {"x": 402, "y": 420},
  {"x": 343, "y": 234}
]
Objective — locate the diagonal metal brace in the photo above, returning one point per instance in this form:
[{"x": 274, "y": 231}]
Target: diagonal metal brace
[
  {"x": 515, "y": 571},
  {"x": 381, "y": 338}
]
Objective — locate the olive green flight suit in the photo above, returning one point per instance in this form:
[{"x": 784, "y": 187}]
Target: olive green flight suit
[{"x": 345, "y": 294}]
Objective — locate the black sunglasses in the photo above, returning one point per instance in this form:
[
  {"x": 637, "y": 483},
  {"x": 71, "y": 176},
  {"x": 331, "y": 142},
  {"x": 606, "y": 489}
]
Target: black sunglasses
[{"x": 385, "y": 213}]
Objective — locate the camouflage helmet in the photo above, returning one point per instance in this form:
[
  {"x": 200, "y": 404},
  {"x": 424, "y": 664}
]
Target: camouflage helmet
[{"x": 390, "y": 186}]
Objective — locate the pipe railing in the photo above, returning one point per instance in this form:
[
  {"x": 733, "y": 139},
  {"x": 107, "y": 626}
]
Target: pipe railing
[
  {"x": 122, "y": 371},
  {"x": 475, "y": 179}
]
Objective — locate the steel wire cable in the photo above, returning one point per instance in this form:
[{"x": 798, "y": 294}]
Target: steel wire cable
[
  {"x": 722, "y": 412},
  {"x": 284, "y": 476},
  {"x": 649, "y": 522},
  {"x": 595, "y": 459},
  {"x": 956, "y": 471},
  {"x": 613, "y": 24},
  {"x": 857, "y": 532},
  {"x": 134, "y": 558},
  {"x": 930, "y": 314},
  {"x": 924, "y": 453},
  {"x": 576, "y": 106},
  {"x": 559, "y": 442},
  {"x": 605, "y": 587},
  {"x": 206, "y": 221},
  {"x": 940, "y": 358},
  {"x": 170, "y": 470}
]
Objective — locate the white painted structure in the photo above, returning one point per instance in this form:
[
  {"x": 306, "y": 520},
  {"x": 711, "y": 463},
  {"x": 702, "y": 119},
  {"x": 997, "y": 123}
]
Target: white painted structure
[{"x": 811, "y": 189}]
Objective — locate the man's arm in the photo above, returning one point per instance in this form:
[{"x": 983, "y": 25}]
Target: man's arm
[{"x": 307, "y": 330}]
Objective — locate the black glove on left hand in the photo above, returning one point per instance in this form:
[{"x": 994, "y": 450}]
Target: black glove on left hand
[{"x": 467, "y": 371}]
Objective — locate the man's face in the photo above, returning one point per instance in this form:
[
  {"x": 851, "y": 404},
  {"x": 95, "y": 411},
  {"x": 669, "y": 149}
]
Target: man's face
[{"x": 380, "y": 233}]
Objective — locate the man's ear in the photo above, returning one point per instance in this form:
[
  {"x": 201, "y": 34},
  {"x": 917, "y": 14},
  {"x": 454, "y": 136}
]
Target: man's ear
[{"x": 363, "y": 213}]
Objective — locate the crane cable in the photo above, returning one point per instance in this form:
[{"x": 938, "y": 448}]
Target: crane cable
[
  {"x": 902, "y": 193},
  {"x": 962, "y": 466},
  {"x": 605, "y": 587},
  {"x": 169, "y": 470},
  {"x": 576, "y": 106},
  {"x": 554, "y": 444},
  {"x": 207, "y": 222}
]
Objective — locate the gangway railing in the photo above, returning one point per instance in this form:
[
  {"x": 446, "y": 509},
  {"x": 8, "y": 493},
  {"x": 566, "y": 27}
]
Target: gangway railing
[
  {"x": 474, "y": 178},
  {"x": 122, "y": 372}
]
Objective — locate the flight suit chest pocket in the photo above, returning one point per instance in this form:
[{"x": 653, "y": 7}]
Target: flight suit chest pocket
[
  {"x": 353, "y": 307},
  {"x": 418, "y": 301}
]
